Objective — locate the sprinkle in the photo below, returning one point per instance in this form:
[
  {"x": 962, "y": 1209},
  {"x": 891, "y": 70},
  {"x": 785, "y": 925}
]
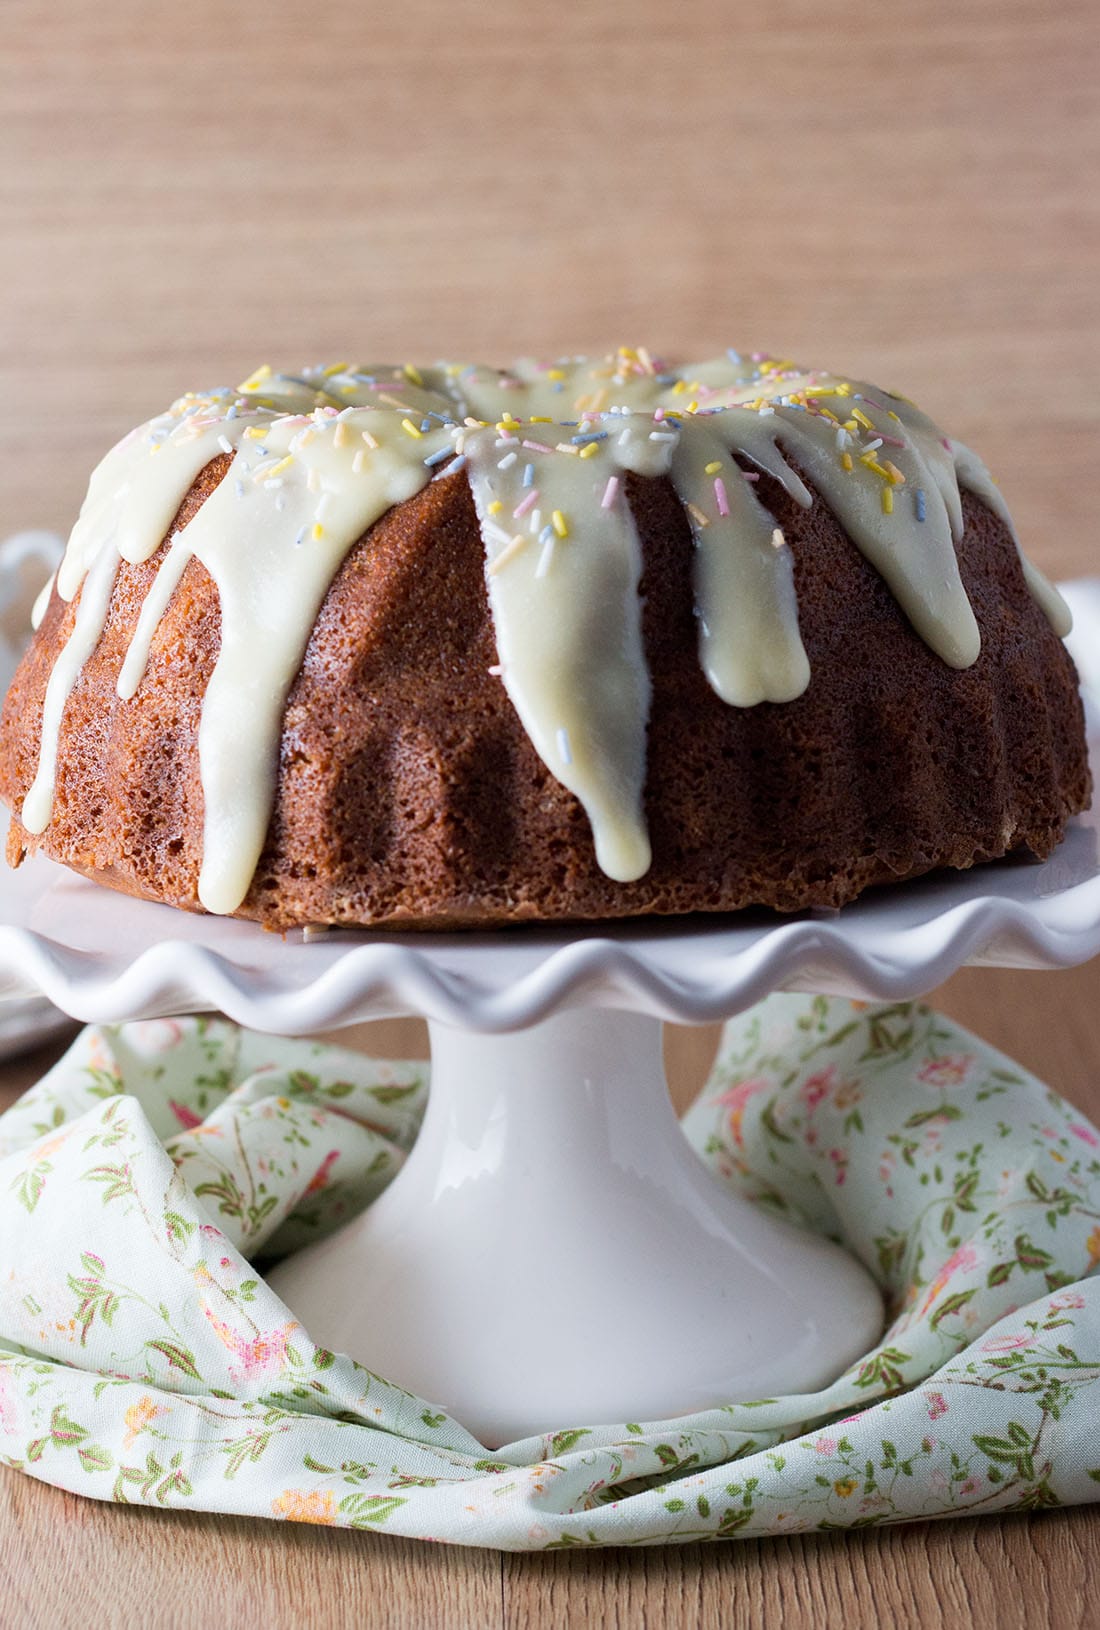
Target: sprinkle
[
  {"x": 413, "y": 374},
  {"x": 896, "y": 477},
  {"x": 438, "y": 457},
  {"x": 453, "y": 468},
  {"x": 225, "y": 444},
  {"x": 750, "y": 475},
  {"x": 564, "y": 752},
  {"x": 922, "y": 504},
  {"x": 861, "y": 418},
  {"x": 256, "y": 432},
  {"x": 340, "y": 434},
  {"x": 318, "y": 532},
  {"x": 697, "y": 515},
  {"x": 510, "y": 550},
  {"x": 410, "y": 429},
  {"x": 495, "y": 507},
  {"x": 609, "y": 492},
  {"x": 275, "y": 469},
  {"x": 590, "y": 451},
  {"x": 720, "y": 496},
  {"x": 888, "y": 500},
  {"x": 254, "y": 381},
  {"x": 546, "y": 557},
  {"x": 238, "y": 488},
  {"x": 534, "y": 523},
  {"x": 507, "y": 461},
  {"x": 369, "y": 439},
  {"x": 713, "y": 467},
  {"x": 525, "y": 504},
  {"x": 358, "y": 461},
  {"x": 557, "y": 520},
  {"x": 589, "y": 435},
  {"x": 496, "y": 670},
  {"x": 564, "y": 447},
  {"x": 846, "y": 461},
  {"x": 872, "y": 446},
  {"x": 528, "y": 475},
  {"x": 778, "y": 540},
  {"x": 664, "y": 435},
  {"x": 538, "y": 446}
]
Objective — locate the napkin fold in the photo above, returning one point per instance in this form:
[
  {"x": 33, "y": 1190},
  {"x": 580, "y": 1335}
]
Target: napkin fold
[{"x": 144, "y": 1359}]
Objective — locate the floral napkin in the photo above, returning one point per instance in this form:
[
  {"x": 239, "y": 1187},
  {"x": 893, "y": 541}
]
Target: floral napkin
[{"x": 144, "y": 1360}]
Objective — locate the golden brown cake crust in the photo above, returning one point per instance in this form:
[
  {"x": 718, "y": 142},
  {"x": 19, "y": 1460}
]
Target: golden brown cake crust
[{"x": 409, "y": 793}]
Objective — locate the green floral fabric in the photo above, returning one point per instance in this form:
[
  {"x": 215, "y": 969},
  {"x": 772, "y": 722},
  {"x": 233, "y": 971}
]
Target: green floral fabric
[{"x": 143, "y": 1359}]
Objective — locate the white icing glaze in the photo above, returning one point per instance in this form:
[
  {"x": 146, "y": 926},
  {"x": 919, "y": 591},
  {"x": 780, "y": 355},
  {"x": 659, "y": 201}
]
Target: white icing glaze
[{"x": 317, "y": 458}]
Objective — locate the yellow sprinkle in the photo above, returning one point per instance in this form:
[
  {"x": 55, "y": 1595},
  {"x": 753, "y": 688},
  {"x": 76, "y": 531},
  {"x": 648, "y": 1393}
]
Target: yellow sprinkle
[
  {"x": 412, "y": 372},
  {"x": 713, "y": 467},
  {"x": 869, "y": 462},
  {"x": 590, "y": 450},
  {"x": 334, "y": 368},
  {"x": 507, "y": 552},
  {"x": 557, "y": 520},
  {"x": 844, "y": 389},
  {"x": 495, "y": 507},
  {"x": 811, "y": 391},
  {"x": 318, "y": 532},
  {"x": 845, "y": 461},
  {"x": 555, "y": 374},
  {"x": 827, "y": 413},
  {"x": 850, "y": 424},
  {"x": 340, "y": 434},
  {"x": 896, "y": 477},
  {"x": 411, "y": 429},
  {"x": 256, "y": 432},
  {"x": 540, "y": 418},
  {"x": 680, "y": 387},
  {"x": 369, "y": 439},
  {"x": 888, "y": 500},
  {"x": 277, "y": 469},
  {"x": 892, "y": 415},
  {"x": 693, "y": 406},
  {"x": 254, "y": 381},
  {"x": 861, "y": 418}
]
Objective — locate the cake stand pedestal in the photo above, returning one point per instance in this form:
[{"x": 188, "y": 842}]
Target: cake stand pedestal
[{"x": 555, "y": 1253}]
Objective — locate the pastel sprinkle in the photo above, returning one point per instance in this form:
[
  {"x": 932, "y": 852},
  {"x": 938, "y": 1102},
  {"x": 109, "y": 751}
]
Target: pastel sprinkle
[
  {"x": 591, "y": 450},
  {"x": 713, "y": 467},
  {"x": 720, "y": 497},
  {"x": 559, "y": 524},
  {"x": 610, "y": 492},
  {"x": 526, "y": 503},
  {"x": 564, "y": 750},
  {"x": 411, "y": 429},
  {"x": 922, "y": 504},
  {"x": 888, "y": 500}
]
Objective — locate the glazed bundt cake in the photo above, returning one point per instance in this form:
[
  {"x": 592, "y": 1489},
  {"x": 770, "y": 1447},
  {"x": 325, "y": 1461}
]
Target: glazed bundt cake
[{"x": 450, "y": 646}]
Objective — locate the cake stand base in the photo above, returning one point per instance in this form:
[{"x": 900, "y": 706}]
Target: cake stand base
[{"x": 554, "y": 1253}]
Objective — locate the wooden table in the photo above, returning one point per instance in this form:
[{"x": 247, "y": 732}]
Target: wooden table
[{"x": 905, "y": 192}]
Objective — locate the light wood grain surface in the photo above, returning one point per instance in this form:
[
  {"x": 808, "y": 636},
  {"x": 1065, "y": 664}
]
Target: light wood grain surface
[{"x": 906, "y": 192}]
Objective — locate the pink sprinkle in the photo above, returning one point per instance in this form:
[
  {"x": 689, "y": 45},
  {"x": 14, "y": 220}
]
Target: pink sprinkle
[
  {"x": 541, "y": 447},
  {"x": 526, "y": 503},
  {"x": 750, "y": 475},
  {"x": 609, "y": 492},
  {"x": 658, "y": 415},
  {"x": 894, "y": 441},
  {"x": 946, "y": 443},
  {"x": 720, "y": 496},
  {"x": 872, "y": 403}
]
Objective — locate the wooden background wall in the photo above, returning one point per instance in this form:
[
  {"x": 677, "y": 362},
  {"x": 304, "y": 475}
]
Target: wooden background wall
[{"x": 904, "y": 190}]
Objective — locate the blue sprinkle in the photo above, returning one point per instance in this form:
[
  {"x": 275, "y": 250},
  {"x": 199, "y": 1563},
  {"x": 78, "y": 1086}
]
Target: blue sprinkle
[
  {"x": 528, "y": 475},
  {"x": 437, "y": 458},
  {"x": 735, "y": 357},
  {"x": 589, "y": 435},
  {"x": 546, "y": 534},
  {"x": 425, "y": 424},
  {"x": 921, "y": 507}
]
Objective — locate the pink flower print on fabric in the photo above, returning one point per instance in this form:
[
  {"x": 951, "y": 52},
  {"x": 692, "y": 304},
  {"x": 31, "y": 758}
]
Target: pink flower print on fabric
[
  {"x": 320, "y": 1178},
  {"x": 818, "y": 1086},
  {"x": 937, "y": 1405},
  {"x": 965, "y": 1258},
  {"x": 255, "y": 1358},
  {"x": 736, "y": 1099},
  {"x": 952, "y": 1070},
  {"x": 186, "y": 1117}
]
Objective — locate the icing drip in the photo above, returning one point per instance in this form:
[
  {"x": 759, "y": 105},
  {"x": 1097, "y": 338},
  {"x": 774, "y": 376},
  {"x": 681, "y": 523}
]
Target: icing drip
[{"x": 317, "y": 458}]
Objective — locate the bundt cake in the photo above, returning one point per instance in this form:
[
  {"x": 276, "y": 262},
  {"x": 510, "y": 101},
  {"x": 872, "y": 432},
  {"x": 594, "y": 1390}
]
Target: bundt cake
[{"x": 450, "y": 646}]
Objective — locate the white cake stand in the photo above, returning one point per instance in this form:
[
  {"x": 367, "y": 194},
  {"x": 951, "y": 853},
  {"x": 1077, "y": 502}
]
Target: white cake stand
[{"x": 553, "y": 1253}]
